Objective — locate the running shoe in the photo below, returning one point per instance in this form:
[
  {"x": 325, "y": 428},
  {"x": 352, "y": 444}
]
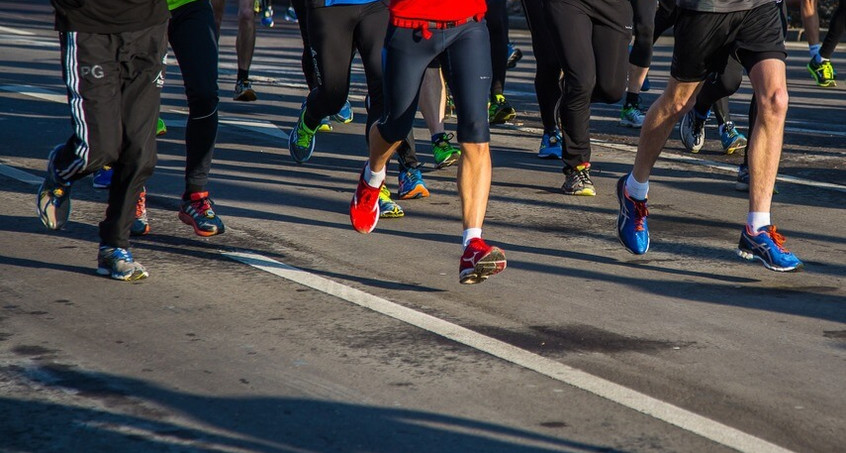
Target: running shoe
[
  {"x": 823, "y": 73},
  {"x": 692, "y": 131},
  {"x": 550, "y": 147},
  {"x": 767, "y": 246},
  {"x": 479, "y": 262},
  {"x": 411, "y": 185},
  {"x": 742, "y": 182},
  {"x": 731, "y": 138},
  {"x": 632, "y": 116},
  {"x": 54, "y": 202},
  {"x": 444, "y": 151},
  {"x": 118, "y": 264},
  {"x": 161, "y": 127},
  {"x": 102, "y": 178},
  {"x": 632, "y": 228},
  {"x": 197, "y": 211},
  {"x": 325, "y": 125},
  {"x": 388, "y": 209},
  {"x": 364, "y": 207},
  {"x": 514, "y": 55},
  {"x": 500, "y": 110},
  {"x": 290, "y": 15},
  {"x": 577, "y": 181},
  {"x": 345, "y": 115},
  {"x": 301, "y": 140},
  {"x": 141, "y": 225},
  {"x": 244, "y": 91}
]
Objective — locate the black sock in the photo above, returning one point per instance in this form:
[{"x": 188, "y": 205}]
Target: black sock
[
  {"x": 632, "y": 98},
  {"x": 243, "y": 74}
]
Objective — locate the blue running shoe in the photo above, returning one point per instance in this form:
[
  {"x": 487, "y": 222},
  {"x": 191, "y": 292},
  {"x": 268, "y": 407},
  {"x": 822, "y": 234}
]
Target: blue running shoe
[
  {"x": 632, "y": 229},
  {"x": 54, "y": 203},
  {"x": 102, "y": 178},
  {"x": 767, "y": 246},
  {"x": 118, "y": 264},
  {"x": 550, "y": 147},
  {"x": 411, "y": 185},
  {"x": 345, "y": 115},
  {"x": 731, "y": 138},
  {"x": 301, "y": 140}
]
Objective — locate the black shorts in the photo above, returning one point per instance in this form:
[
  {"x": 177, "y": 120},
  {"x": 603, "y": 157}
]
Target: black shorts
[{"x": 705, "y": 41}]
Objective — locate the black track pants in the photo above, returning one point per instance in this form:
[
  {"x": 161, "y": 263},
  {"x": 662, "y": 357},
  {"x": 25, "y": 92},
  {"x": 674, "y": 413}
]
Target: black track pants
[
  {"x": 547, "y": 69},
  {"x": 114, "y": 85},
  {"x": 591, "y": 39},
  {"x": 497, "y": 20}
]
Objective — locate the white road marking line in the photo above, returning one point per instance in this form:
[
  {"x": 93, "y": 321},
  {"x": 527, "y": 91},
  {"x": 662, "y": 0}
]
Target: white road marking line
[
  {"x": 36, "y": 92},
  {"x": 16, "y": 31},
  {"x": 674, "y": 415},
  {"x": 20, "y": 175}
]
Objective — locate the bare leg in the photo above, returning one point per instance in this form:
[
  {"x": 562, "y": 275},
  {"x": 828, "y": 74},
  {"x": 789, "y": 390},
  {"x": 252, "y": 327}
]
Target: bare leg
[
  {"x": 380, "y": 150},
  {"x": 636, "y": 77},
  {"x": 245, "y": 43},
  {"x": 474, "y": 182},
  {"x": 764, "y": 151},
  {"x": 662, "y": 116},
  {"x": 810, "y": 21},
  {"x": 218, "y": 6}
]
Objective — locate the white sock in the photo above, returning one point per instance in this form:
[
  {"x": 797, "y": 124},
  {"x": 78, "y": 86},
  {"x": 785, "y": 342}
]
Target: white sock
[
  {"x": 636, "y": 189},
  {"x": 470, "y": 233},
  {"x": 814, "y": 50},
  {"x": 756, "y": 220},
  {"x": 374, "y": 178}
]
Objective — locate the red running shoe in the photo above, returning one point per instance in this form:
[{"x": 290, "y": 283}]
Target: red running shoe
[
  {"x": 364, "y": 207},
  {"x": 479, "y": 262}
]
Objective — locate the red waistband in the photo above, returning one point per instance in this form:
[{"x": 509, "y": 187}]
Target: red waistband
[{"x": 425, "y": 25}]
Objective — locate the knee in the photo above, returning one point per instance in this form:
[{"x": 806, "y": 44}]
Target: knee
[
  {"x": 608, "y": 94},
  {"x": 202, "y": 103},
  {"x": 773, "y": 103},
  {"x": 246, "y": 15}
]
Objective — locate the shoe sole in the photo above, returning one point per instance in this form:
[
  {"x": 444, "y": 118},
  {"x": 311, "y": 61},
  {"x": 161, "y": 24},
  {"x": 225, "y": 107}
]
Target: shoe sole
[
  {"x": 134, "y": 276},
  {"x": 342, "y": 120},
  {"x": 630, "y": 124},
  {"x": 188, "y": 220},
  {"x": 491, "y": 264},
  {"x": 749, "y": 256},
  {"x": 503, "y": 119},
  {"x": 448, "y": 162},
  {"x": 417, "y": 192},
  {"x": 246, "y": 96},
  {"x": 391, "y": 215},
  {"x": 692, "y": 149},
  {"x": 581, "y": 193}
]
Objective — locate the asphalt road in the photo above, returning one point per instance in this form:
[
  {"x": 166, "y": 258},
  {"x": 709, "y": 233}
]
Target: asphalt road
[{"x": 293, "y": 333}]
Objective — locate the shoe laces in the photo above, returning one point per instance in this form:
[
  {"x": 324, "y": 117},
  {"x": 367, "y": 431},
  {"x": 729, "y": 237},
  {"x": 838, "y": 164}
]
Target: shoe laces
[
  {"x": 141, "y": 206},
  {"x": 384, "y": 193},
  {"x": 640, "y": 213},
  {"x": 827, "y": 69},
  {"x": 202, "y": 206},
  {"x": 444, "y": 140},
  {"x": 778, "y": 238}
]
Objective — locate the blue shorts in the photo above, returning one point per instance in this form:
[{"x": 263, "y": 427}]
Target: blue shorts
[{"x": 406, "y": 56}]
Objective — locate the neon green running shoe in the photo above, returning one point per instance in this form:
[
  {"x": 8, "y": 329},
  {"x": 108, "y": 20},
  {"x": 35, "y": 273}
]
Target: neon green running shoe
[
  {"x": 444, "y": 151},
  {"x": 161, "y": 127},
  {"x": 388, "y": 209}
]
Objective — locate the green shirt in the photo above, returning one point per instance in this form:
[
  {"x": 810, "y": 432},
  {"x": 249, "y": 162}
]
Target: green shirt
[{"x": 173, "y": 4}]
